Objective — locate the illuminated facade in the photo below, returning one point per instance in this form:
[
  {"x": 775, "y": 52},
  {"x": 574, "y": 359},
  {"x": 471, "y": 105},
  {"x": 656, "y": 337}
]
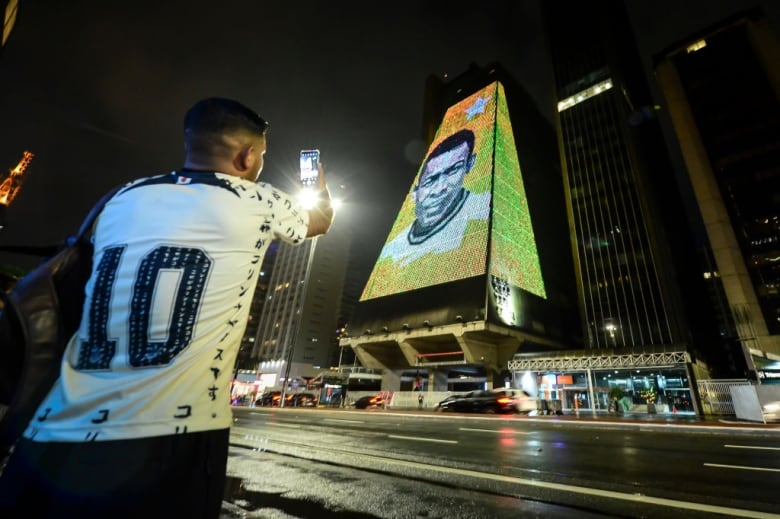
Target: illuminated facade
[
  {"x": 11, "y": 183},
  {"x": 721, "y": 88},
  {"x": 9, "y": 10},
  {"x": 476, "y": 265},
  {"x": 490, "y": 192}
]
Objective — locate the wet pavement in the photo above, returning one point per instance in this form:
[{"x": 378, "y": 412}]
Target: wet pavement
[{"x": 263, "y": 484}]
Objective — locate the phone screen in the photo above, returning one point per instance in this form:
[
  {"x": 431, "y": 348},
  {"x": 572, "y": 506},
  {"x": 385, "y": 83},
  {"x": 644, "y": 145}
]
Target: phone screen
[{"x": 309, "y": 167}]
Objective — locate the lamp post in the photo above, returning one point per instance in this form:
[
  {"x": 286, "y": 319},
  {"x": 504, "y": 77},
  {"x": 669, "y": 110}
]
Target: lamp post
[{"x": 291, "y": 349}]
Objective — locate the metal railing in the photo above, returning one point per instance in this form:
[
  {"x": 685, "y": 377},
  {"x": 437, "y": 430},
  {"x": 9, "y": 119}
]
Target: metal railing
[{"x": 715, "y": 395}]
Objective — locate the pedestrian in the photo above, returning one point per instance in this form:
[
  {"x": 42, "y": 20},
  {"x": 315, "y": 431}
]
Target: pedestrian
[{"x": 137, "y": 423}]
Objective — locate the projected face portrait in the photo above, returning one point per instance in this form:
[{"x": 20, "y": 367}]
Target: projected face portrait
[
  {"x": 441, "y": 232},
  {"x": 440, "y": 193}
]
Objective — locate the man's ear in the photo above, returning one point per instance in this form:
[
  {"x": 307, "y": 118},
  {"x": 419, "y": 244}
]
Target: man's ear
[
  {"x": 472, "y": 160},
  {"x": 243, "y": 159}
]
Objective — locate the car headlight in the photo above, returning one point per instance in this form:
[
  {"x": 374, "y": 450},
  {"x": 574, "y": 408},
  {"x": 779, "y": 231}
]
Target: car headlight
[{"x": 770, "y": 408}]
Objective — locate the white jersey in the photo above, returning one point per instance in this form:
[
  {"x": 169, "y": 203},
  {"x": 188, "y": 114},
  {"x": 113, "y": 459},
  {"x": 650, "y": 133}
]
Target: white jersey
[
  {"x": 446, "y": 238},
  {"x": 176, "y": 262}
]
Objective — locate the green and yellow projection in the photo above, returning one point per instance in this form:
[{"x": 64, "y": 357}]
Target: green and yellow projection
[{"x": 470, "y": 175}]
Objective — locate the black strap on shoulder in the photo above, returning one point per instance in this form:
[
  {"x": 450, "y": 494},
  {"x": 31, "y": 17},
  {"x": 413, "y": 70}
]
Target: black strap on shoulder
[{"x": 89, "y": 221}]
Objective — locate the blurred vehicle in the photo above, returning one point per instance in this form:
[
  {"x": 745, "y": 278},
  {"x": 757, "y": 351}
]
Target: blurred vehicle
[
  {"x": 447, "y": 402},
  {"x": 524, "y": 402},
  {"x": 241, "y": 400},
  {"x": 301, "y": 400},
  {"x": 367, "y": 401},
  {"x": 269, "y": 399},
  {"x": 480, "y": 401},
  {"x": 771, "y": 411}
]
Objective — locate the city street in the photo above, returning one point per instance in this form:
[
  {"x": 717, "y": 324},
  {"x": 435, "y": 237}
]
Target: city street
[{"x": 391, "y": 464}]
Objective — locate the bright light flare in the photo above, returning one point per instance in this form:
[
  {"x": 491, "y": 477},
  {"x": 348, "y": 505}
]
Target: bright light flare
[{"x": 308, "y": 198}]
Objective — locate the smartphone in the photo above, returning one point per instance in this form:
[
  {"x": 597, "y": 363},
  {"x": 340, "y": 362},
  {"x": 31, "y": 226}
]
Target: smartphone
[{"x": 310, "y": 160}]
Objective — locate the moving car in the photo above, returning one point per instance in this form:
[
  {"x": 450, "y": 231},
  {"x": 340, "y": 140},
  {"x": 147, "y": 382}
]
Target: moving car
[
  {"x": 367, "y": 401},
  {"x": 771, "y": 411},
  {"x": 524, "y": 402},
  {"x": 480, "y": 401},
  {"x": 301, "y": 400},
  {"x": 269, "y": 399}
]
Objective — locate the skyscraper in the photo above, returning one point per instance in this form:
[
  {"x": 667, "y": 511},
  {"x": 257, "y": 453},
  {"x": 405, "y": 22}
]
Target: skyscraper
[
  {"x": 475, "y": 266},
  {"x": 722, "y": 86},
  {"x": 297, "y": 323},
  {"x": 627, "y": 220},
  {"x": 9, "y": 10}
]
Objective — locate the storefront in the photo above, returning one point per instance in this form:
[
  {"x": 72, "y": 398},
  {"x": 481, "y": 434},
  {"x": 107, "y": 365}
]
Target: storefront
[{"x": 590, "y": 383}]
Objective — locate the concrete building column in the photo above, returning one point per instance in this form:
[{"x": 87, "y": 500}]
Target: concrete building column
[
  {"x": 391, "y": 380},
  {"x": 437, "y": 380}
]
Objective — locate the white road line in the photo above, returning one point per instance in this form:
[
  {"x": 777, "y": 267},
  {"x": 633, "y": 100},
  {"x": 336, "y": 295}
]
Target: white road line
[
  {"x": 610, "y": 494},
  {"x": 343, "y": 421},
  {"x": 419, "y": 439},
  {"x": 507, "y": 431},
  {"x": 741, "y": 467},
  {"x": 290, "y": 426},
  {"x": 752, "y": 447}
]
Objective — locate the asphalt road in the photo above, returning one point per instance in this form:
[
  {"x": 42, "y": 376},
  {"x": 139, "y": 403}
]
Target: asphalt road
[{"x": 314, "y": 462}]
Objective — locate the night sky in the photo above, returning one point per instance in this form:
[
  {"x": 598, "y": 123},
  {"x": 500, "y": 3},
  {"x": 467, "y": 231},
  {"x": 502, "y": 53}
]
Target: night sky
[{"x": 97, "y": 90}]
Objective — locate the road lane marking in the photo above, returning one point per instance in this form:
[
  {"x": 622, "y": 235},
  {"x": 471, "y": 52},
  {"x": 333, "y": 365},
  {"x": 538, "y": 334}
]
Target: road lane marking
[
  {"x": 343, "y": 421},
  {"x": 740, "y": 467},
  {"x": 752, "y": 447},
  {"x": 506, "y": 431},
  {"x": 420, "y": 439},
  {"x": 608, "y": 494},
  {"x": 290, "y": 426}
]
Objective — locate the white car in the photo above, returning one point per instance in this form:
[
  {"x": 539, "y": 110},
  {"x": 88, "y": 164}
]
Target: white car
[
  {"x": 523, "y": 400},
  {"x": 771, "y": 411}
]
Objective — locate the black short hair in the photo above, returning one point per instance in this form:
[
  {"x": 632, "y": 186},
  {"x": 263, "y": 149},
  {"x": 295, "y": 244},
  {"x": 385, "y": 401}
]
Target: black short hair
[
  {"x": 452, "y": 142},
  {"x": 214, "y": 116}
]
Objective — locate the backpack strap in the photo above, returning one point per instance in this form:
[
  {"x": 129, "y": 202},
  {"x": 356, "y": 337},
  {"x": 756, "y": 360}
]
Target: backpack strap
[{"x": 89, "y": 221}]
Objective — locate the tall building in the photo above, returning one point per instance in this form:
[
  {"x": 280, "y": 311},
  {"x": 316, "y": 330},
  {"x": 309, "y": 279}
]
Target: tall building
[
  {"x": 475, "y": 266},
  {"x": 625, "y": 210},
  {"x": 722, "y": 90},
  {"x": 246, "y": 364},
  {"x": 9, "y": 10},
  {"x": 11, "y": 184},
  {"x": 300, "y": 313}
]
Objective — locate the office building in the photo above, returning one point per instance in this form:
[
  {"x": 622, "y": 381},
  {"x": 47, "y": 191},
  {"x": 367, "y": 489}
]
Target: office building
[
  {"x": 458, "y": 290},
  {"x": 648, "y": 324},
  {"x": 721, "y": 88},
  {"x": 298, "y": 323},
  {"x": 10, "y": 9}
]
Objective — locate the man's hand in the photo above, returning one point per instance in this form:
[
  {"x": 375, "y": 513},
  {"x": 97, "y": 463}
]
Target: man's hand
[{"x": 321, "y": 215}]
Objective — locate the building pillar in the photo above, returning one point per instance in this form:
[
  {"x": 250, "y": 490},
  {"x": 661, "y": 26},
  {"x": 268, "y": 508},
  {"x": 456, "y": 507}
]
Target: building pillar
[
  {"x": 591, "y": 393},
  {"x": 391, "y": 380},
  {"x": 437, "y": 380}
]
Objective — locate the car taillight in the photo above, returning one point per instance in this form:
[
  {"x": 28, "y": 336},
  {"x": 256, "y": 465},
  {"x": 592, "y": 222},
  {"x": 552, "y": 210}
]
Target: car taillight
[{"x": 504, "y": 400}]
